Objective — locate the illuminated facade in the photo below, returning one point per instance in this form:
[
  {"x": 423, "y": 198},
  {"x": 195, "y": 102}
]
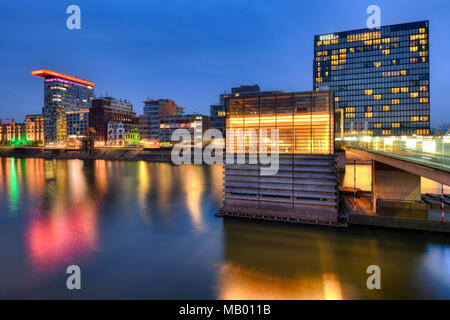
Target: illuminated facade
[
  {"x": 122, "y": 134},
  {"x": 194, "y": 123},
  {"x": 217, "y": 111},
  {"x": 77, "y": 123},
  {"x": 381, "y": 78},
  {"x": 106, "y": 111},
  {"x": 62, "y": 93},
  {"x": 304, "y": 189},
  {"x": 35, "y": 128},
  {"x": 156, "y": 109}
]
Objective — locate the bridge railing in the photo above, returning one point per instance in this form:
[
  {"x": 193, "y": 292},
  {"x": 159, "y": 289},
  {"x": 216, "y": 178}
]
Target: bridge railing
[{"x": 419, "y": 149}]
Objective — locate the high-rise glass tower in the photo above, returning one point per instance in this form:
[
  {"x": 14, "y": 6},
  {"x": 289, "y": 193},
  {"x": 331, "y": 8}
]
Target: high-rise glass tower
[
  {"x": 62, "y": 93},
  {"x": 381, "y": 78}
]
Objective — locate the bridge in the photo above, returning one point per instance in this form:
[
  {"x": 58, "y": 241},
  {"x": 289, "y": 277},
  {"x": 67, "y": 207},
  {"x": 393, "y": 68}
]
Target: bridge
[
  {"x": 428, "y": 157},
  {"x": 398, "y": 163}
]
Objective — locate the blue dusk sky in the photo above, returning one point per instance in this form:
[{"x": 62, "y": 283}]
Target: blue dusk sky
[{"x": 192, "y": 51}]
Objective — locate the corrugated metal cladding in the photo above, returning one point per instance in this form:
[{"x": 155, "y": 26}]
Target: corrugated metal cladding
[{"x": 305, "y": 187}]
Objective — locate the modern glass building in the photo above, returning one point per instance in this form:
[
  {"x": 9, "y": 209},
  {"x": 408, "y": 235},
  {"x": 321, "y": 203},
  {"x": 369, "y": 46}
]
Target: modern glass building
[
  {"x": 62, "y": 93},
  {"x": 304, "y": 188},
  {"x": 156, "y": 109},
  {"x": 381, "y": 78},
  {"x": 77, "y": 123}
]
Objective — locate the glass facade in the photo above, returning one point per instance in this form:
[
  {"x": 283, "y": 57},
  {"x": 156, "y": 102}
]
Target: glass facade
[
  {"x": 304, "y": 120},
  {"x": 77, "y": 123},
  {"x": 381, "y": 78}
]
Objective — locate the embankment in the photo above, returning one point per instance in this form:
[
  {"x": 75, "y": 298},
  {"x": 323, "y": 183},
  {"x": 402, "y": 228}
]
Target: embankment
[{"x": 129, "y": 154}]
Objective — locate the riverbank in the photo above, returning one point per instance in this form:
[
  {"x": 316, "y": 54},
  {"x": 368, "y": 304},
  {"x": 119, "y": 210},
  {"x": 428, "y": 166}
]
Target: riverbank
[{"x": 127, "y": 154}]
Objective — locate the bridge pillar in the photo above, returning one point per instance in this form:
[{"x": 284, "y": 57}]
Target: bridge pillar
[{"x": 390, "y": 183}]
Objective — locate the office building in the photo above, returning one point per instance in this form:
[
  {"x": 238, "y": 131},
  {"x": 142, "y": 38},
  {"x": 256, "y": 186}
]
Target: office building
[
  {"x": 105, "y": 110},
  {"x": 35, "y": 128},
  {"x": 196, "y": 124},
  {"x": 77, "y": 124},
  {"x": 304, "y": 189},
  {"x": 381, "y": 78},
  {"x": 217, "y": 111},
  {"x": 62, "y": 93},
  {"x": 156, "y": 109}
]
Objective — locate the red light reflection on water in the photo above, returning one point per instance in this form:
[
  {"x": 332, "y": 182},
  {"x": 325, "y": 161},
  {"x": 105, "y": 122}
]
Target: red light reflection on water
[{"x": 60, "y": 238}]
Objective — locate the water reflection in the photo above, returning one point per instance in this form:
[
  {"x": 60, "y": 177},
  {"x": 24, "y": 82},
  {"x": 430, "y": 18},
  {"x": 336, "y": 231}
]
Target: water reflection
[
  {"x": 267, "y": 261},
  {"x": 147, "y": 230}
]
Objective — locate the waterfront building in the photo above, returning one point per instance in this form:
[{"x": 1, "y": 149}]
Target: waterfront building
[
  {"x": 62, "y": 93},
  {"x": 108, "y": 109},
  {"x": 35, "y": 128},
  {"x": 195, "y": 123},
  {"x": 14, "y": 133},
  {"x": 144, "y": 127},
  {"x": 122, "y": 134},
  {"x": 77, "y": 123},
  {"x": 381, "y": 78},
  {"x": 217, "y": 111},
  {"x": 156, "y": 109},
  {"x": 304, "y": 189}
]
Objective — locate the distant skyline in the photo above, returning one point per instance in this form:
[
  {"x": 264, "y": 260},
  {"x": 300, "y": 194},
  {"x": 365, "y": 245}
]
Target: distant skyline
[{"x": 191, "y": 52}]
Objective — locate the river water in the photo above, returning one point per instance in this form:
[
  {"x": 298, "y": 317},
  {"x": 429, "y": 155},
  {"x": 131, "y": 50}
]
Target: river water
[{"x": 145, "y": 230}]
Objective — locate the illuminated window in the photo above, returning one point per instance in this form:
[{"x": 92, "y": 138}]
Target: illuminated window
[
  {"x": 352, "y": 50},
  {"x": 350, "y": 115},
  {"x": 394, "y": 62},
  {"x": 318, "y": 80},
  {"x": 413, "y": 60},
  {"x": 424, "y": 118},
  {"x": 395, "y": 125},
  {"x": 414, "y": 119},
  {"x": 350, "y": 109},
  {"x": 405, "y": 89},
  {"x": 423, "y": 100},
  {"x": 368, "y": 92},
  {"x": 336, "y": 99},
  {"x": 377, "y": 97},
  {"x": 423, "y": 131},
  {"x": 369, "y": 109},
  {"x": 395, "y": 101},
  {"x": 423, "y": 88},
  {"x": 413, "y": 49},
  {"x": 423, "y": 53},
  {"x": 386, "y": 132},
  {"x": 343, "y": 51},
  {"x": 386, "y": 51},
  {"x": 386, "y": 108},
  {"x": 386, "y": 40},
  {"x": 368, "y": 114},
  {"x": 403, "y": 72},
  {"x": 377, "y": 64},
  {"x": 422, "y": 30},
  {"x": 395, "y": 90},
  {"x": 414, "y": 94}
]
